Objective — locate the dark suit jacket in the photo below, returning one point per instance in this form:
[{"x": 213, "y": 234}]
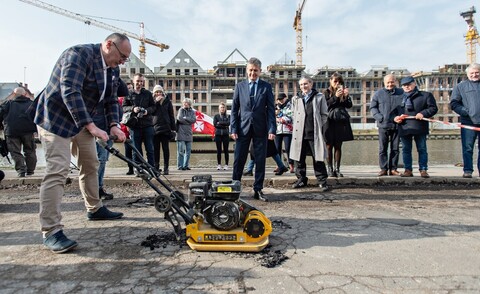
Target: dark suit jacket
[
  {"x": 260, "y": 116},
  {"x": 73, "y": 92}
]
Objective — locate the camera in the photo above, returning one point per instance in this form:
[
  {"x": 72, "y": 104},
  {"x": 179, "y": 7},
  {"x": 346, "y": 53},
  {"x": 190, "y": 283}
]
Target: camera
[{"x": 142, "y": 112}]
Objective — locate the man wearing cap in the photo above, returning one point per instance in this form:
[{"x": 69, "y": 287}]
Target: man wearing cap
[
  {"x": 383, "y": 108},
  {"x": 415, "y": 106},
  {"x": 465, "y": 101}
]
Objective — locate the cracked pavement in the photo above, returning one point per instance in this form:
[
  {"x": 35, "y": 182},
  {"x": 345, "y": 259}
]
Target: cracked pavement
[{"x": 350, "y": 240}]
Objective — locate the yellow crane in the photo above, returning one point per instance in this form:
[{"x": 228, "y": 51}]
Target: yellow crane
[
  {"x": 471, "y": 38},
  {"x": 90, "y": 21},
  {"x": 297, "y": 25}
]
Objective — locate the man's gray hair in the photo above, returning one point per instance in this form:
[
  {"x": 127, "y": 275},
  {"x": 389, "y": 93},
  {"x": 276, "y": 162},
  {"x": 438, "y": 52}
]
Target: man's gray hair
[
  {"x": 188, "y": 100},
  {"x": 255, "y": 61},
  {"x": 309, "y": 79},
  {"x": 472, "y": 66},
  {"x": 389, "y": 76}
]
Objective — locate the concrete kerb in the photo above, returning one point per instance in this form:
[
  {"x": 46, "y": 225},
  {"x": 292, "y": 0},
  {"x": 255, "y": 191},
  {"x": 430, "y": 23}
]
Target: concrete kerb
[{"x": 354, "y": 176}]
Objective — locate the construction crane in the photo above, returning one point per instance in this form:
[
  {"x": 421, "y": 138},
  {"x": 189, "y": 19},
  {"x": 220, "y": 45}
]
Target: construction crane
[
  {"x": 471, "y": 38},
  {"x": 90, "y": 21},
  {"x": 297, "y": 25}
]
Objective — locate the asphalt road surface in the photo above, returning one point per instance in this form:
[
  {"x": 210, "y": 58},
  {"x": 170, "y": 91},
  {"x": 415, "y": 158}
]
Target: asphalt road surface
[{"x": 385, "y": 239}]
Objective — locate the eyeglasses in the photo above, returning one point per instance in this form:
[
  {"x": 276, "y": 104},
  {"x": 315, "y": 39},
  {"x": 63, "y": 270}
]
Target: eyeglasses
[{"x": 124, "y": 57}]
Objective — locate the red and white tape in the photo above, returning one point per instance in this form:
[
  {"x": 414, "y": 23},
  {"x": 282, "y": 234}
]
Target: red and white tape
[{"x": 459, "y": 125}]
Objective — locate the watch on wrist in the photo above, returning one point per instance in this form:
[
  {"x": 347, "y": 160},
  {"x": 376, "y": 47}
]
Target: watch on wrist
[{"x": 116, "y": 125}]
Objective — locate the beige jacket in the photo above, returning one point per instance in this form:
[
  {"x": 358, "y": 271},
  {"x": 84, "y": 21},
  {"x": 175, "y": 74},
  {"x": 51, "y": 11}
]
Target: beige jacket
[{"x": 320, "y": 119}]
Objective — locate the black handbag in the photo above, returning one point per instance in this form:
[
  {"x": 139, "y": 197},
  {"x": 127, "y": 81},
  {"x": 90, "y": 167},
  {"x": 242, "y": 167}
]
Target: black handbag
[
  {"x": 129, "y": 119},
  {"x": 339, "y": 114}
]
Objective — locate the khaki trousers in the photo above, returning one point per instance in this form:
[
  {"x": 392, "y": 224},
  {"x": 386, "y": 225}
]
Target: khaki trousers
[{"x": 58, "y": 151}]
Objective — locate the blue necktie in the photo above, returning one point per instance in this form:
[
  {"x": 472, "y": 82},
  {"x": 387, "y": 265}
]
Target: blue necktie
[{"x": 252, "y": 93}]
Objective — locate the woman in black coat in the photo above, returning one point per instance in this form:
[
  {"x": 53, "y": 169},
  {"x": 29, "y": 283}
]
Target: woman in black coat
[
  {"x": 337, "y": 130},
  {"x": 163, "y": 127}
]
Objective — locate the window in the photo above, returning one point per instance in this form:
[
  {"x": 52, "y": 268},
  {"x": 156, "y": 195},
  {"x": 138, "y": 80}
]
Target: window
[
  {"x": 241, "y": 72},
  {"x": 132, "y": 71},
  {"x": 195, "y": 72},
  {"x": 187, "y": 72},
  {"x": 142, "y": 70},
  {"x": 169, "y": 71},
  {"x": 230, "y": 72},
  {"x": 177, "y": 72}
]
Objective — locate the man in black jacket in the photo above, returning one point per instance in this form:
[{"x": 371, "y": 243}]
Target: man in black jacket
[
  {"x": 383, "y": 108},
  {"x": 140, "y": 103},
  {"x": 19, "y": 132},
  {"x": 416, "y": 105}
]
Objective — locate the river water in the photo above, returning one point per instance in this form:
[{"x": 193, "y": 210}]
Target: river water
[{"x": 361, "y": 152}]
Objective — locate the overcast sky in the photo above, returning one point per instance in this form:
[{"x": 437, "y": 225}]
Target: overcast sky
[{"x": 413, "y": 34}]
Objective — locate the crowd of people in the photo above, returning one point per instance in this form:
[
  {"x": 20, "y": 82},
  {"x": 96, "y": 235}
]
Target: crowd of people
[{"x": 85, "y": 100}]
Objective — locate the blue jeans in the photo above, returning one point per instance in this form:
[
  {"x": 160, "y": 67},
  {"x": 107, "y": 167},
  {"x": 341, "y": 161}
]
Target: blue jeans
[
  {"x": 421, "y": 143},
  {"x": 276, "y": 158},
  {"x": 102, "y": 154},
  {"x": 184, "y": 149},
  {"x": 287, "y": 140},
  {"x": 468, "y": 144},
  {"x": 143, "y": 135}
]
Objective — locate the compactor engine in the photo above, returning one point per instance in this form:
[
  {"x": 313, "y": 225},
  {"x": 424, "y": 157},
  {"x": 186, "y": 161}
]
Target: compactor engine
[{"x": 224, "y": 222}]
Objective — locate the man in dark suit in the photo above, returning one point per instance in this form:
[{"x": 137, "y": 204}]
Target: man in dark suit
[
  {"x": 252, "y": 119},
  {"x": 84, "y": 76}
]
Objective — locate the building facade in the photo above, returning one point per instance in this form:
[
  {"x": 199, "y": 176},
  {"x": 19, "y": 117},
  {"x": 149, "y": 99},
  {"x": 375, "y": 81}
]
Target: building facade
[{"x": 184, "y": 77}]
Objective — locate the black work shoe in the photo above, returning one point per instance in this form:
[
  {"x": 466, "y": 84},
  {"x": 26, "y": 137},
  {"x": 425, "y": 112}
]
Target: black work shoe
[
  {"x": 248, "y": 173},
  {"x": 30, "y": 173},
  {"x": 104, "y": 195},
  {"x": 281, "y": 171},
  {"x": 130, "y": 172},
  {"x": 300, "y": 183},
  {"x": 21, "y": 175},
  {"x": 324, "y": 187},
  {"x": 259, "y": 196},
  {"x": 104, "y": 214},
  {"x": 165, "y": 172},
  {"x": 59, "y": 243}
]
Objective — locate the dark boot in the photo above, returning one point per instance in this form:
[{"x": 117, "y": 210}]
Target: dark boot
[
  {"x": 338, "y": 174},
  {"x": 130, "y": 170},
  {"x": 165, "y": 170},
  {"x": 331, "y": 173},
  {"x": 104, "y": 195}
]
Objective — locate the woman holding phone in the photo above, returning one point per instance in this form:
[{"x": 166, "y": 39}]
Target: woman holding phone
[{"x": 338, "y": 128}]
